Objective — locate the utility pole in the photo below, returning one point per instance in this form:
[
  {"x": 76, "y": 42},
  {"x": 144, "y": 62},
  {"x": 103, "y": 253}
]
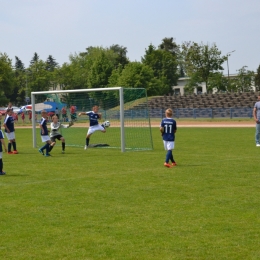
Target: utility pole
[{"x": 228, "y": 54}]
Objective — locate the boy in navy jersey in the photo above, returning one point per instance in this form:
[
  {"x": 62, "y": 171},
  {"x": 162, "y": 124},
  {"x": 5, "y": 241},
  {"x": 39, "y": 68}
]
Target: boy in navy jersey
[
  {"x": 2, "y": 141},
  {"x": 10, "y": 131},
  {"x": 168, "y": 129},
  {"x": 44, "y": 134},
  {"x": 93, "y": 123}
]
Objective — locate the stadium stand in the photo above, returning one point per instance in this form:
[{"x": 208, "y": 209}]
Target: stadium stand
[{"x": 203, "y": 105}]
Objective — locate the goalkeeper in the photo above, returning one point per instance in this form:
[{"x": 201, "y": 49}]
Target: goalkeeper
[{"x": 55, "y": 134}]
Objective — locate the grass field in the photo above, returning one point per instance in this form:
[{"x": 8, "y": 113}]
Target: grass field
[{"x": 104, "y": 204}]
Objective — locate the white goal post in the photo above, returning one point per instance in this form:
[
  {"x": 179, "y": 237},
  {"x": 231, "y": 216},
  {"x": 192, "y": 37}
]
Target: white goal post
[{"x": 121, "y": 100}]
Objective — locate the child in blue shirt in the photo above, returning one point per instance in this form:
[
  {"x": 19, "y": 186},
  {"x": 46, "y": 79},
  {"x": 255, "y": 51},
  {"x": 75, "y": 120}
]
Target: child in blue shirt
[
  {"x": 94, "y": 126},
  {"x": 168, "y": 129},
  {"x": 2, "y": 142}
]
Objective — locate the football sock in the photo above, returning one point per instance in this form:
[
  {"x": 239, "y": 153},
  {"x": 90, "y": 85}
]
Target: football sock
[
  {"x": 87, "y": 141},
  {"x": 51, "y": 147},
  {"x": 47, "y": 148},
  {"x": 14, "y": 145},
  {"x": 63, "y": 146},
  {"x": 1, "y": 165},
  {"x": 9, "y": 147},
  {"x": 172, "y": 158},
  {"x": 169, "y": 156}
]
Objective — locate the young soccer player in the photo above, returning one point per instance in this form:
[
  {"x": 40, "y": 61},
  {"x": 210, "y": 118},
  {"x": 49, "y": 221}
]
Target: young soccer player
[
  {"x": 2, "y": 142},
  {"x": 94, "y": 126},
  {"x": 168, "y": 129},
  {"x": 55, "y": 134},
  {"x": 10, "y": 131},
  {"x": 44, "y": 134}
]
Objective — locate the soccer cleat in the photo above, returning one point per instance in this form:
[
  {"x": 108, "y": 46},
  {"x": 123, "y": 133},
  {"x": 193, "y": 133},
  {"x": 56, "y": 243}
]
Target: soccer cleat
[
  {"x": 15, "y": 152},
  {"x": 174, "y": 164},
  {"x": 10, "y": 152},
  {"x": 41, "y": 151},
  {"x": 47, "y": 155},
  {"x": 85, "y": 148},
  {"x": 2, "y": 173},
  {"x": 167, "y": 165},
  {"x": 62, "y": 151},
  {"x": 257, "y": 144}
]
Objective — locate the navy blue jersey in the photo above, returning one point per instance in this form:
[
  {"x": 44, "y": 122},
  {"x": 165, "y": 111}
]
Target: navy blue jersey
[
  {"x": 170, "y": 128},
  {"x": 93, "y": 118},
  {"x": 1, "y": 137},
  {"x": 44, "y": 126},
  {"x": 9, "y": 121}
]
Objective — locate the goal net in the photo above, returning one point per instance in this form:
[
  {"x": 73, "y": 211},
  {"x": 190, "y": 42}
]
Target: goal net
[{"x": 125, "y": 108}]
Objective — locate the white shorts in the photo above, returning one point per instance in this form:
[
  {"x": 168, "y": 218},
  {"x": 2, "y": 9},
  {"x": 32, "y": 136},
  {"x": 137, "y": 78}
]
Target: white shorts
[
  {"x": 1, "y": 155},
  {"x": 45, "y": 138},
  {"x": 95, "y": 128},
  {"x": 10, "y": 136},
  {"x": 168, "y": 145}
]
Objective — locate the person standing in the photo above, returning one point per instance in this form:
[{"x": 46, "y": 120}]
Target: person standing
[
  {"x": 168, "y": 129},
  {"x": 30, "y": 115},
  {"x": 57, "y": 113},
  {"x": 44, "y": 134},
  {"x": 23, "y": 117},
  {"x": 94, "y": 116},
  {"x": 64, "y": 114},
  {"x": 73, "y": 114},
  {"x": 10, "y": 131},
  {"x": 2, "y": 142},
  {"x": 256, "y": 115}
]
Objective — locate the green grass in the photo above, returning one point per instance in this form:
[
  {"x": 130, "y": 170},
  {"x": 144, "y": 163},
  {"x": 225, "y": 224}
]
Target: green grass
[{"x": 104, "y": 204}]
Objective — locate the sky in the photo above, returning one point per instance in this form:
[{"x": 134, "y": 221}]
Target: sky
[{"x": 64, "y": 27}]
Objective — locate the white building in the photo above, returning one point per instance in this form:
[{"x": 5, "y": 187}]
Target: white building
[{"x": 179, "y": 89}]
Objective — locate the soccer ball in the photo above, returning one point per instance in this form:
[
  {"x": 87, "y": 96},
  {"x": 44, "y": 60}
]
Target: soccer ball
[{"x": 106, "y": 123}]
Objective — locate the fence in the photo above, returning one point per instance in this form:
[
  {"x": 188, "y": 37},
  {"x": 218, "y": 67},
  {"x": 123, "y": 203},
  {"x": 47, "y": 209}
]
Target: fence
[{"x": 193, "y": 113}]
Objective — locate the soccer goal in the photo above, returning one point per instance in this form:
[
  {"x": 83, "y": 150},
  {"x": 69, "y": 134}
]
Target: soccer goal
[{"x": 125, "y": 108}]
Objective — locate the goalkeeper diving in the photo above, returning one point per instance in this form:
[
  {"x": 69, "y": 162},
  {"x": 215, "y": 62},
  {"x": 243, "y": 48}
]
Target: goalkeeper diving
[{"x": 55, "y": 134}]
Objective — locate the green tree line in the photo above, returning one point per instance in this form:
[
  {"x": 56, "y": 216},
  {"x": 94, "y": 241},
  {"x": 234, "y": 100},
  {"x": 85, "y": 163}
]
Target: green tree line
[{"x": 98, "y": 67}]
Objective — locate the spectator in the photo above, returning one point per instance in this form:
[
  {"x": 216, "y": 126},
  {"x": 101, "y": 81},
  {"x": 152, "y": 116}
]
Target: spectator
[
  {"x": 64, "y": 114},
  {"x": 30, "y": 115},
  {"x": 23, "y": 117},
  {"x": 73, "y": 114},
  {"x": 57, "y": 112}
]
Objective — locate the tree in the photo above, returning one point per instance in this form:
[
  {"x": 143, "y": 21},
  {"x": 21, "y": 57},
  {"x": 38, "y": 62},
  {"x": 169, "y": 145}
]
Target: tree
[
  {"x": 245, "y": 79},
  {"x": 164, "y": 66},
  {"x": 219, "y": 82},
  {"x": 38, "y": 78},
  {"x": 19, "y": 90},
  {"x": 100, "y": 72},
  {"x": 120, "y": 51},
  {"x": 138, "y": 75},
  {"x": 169, "y": 45},
  {"x": 35, "y": 59},
  {"x": 257, "y": 79},
  {"x": 51, "y": 63},
  {"x": 19, "y": 66},
  {"x": 6, "y": 78},
  {"x": 202, "y": 60}
]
